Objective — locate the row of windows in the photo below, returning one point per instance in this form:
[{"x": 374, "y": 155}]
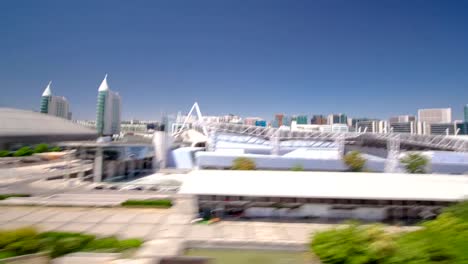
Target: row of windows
[{"x": 319, "y": 200}]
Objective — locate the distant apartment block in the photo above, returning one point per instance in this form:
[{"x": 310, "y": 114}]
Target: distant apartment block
[
  {"x": 54, "y": 105},
  {"x": 302, "y": 120},
  {"x": 402, "y": 119},
  {"x": 251, "y": 120},
  {"x": 435, "y": 115},
  {"x": 278, "y": 121},
  {"x": 465, "y": 113},
  {"x": 318, "y": 120},
  {"x": 108, "y": 110},
  {"x": 337, "y": 119}
]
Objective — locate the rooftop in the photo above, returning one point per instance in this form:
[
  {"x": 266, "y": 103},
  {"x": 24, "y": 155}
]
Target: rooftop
[{"x": 339, "y": 185}]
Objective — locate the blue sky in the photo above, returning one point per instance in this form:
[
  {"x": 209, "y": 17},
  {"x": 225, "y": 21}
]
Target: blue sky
[{"x": 255, "y": 58}]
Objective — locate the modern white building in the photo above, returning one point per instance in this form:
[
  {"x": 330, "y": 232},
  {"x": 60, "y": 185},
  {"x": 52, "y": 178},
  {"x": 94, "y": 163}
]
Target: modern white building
[
  {"x": 54, "y": 105},
  {"x": 402, "y": 119},
  {"x": 435, "y": 115},
  {"x": 108, "y": 113}
]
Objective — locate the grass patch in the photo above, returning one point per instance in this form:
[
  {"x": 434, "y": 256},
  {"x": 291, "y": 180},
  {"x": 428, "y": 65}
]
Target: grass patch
[
  {"x": 6, "y": 196},
  {"x": 159, "y": 203}
]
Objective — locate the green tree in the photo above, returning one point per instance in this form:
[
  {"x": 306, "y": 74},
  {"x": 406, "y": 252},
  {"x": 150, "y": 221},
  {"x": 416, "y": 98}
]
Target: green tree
[
  {"x": 40, "y": 148},
  {"x": 24, "y": 151},
  {"x": 415, "y": 163},
  {"x": 354, "y": 161},
  {"x": 243, "y": 164}
]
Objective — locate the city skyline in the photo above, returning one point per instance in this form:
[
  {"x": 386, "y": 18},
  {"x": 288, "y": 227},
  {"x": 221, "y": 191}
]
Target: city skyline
[{"x": 251, "y": 59}]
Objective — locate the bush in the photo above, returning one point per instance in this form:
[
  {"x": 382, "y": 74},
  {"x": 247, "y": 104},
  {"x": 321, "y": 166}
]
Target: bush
[
  {"x": 7, "y": 254},
  {"x": 68, "y": 245},
  {"x": 106, "y": 244},
  {"x": 415, "y": 163},
  {"x": 24, "y": 151},
  {"x": 55, "y": 149},
  {"x": 354, "y": 161},
  {"x": 27, "y": 241},
  {"x": 354, "y": 244},
  {"x": 8, "y": 237},
  {"x": 5, "y": 196},
  {"x": 40, "y": 148},
  {"x": 243, "y": 164},
  {"x": 5, "y": 153},
  {"x": 160, "y": 203},
  {"x": 129, "y": 243},
  {"x": 23, "y": 247},
  {"x": 443, "y": 240},
  {"x": 297, "y": 167}
]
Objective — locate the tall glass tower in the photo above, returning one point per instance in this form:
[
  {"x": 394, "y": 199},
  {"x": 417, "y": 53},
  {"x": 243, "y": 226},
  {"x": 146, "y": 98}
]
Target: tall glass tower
[
  {"x": 46, "y": 95},
  {"x": 466, "y": 113},
  {"x": 107, "y": 110}
]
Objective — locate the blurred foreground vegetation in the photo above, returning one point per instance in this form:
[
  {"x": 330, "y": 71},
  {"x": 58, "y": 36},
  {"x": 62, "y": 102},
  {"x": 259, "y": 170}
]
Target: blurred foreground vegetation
[
  {"x": 28, "y": 241},
  {"x": 443, "y": 240},
  {"x": 154, "y": 203},
  {"x": 28, "y": 151}
]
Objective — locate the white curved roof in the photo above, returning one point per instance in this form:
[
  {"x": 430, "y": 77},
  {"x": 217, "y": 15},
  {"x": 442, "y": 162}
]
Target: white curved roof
[
  {"x": 47, "y": 91},
  {"x": 339, "y": 185},
  {"x": 104, "y": 86},
  {"x": 17, "y": 123}
]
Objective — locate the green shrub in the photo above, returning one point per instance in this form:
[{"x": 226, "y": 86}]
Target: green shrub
[
  {"x": 243, "y": 164},
  {"x": 69, "y": 244},
  {"x": 27, "y": 241},
  {"x": 24, "y": 151},
  {"x": 159, "y": 203},
  {"x": 354, "y": 161},
  {"x": 129, "y": 243},
  {"x": 5, "y": 196},
  {"x": 414, "y": 163},
  {"x": 5, "y": 153},
  {"x": 25, "y": 246},
  {"x": 443, "y": 240},
  {"x": 353, "y": 244},
  {"x": 11, "y": 236},
  {"x": 40, "y": 148},
  {"x": 55, "y": 149},
  {"x": 106, "y": 244},
  {"x": 7, "y": 254},
  {"x": 297, "y": 167}
]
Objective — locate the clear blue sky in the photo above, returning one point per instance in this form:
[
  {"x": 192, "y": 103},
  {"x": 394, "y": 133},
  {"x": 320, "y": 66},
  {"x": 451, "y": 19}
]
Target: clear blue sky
[{"x": 255, "y": 58}]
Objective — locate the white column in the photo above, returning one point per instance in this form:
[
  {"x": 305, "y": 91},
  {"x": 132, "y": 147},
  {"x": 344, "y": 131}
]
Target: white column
[
  {"x": 212, "y": 138},
  {"x": 98, "y": 160},
  {"x": 393, "y": 151}
]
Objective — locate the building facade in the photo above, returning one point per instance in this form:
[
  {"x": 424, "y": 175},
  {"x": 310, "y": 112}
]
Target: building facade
[
  {"x": 54, "y": 105},
  {"x": 402, "y": 127},
  {"x": 302, "y": 120},
  {"x": 443, "y": 129},
  {"x": 318, "y": 120},
  {"x": 465, "y": 112},
  {"x": 435, "y": 115},
  {"x": 108, "y": 113},
  {"x": 278, "y": 121},
  {"x": 337, "y": 119},
  {"x": 402, "y": 119}
]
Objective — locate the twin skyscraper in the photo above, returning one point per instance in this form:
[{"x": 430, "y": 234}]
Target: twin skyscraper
[{"x": 108, "y": 110}]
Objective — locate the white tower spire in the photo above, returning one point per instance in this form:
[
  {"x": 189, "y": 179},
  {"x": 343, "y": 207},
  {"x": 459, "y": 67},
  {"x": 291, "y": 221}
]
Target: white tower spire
[
  {"x": 104, "y": 86},
  {"x": 47, "y": 91}
]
